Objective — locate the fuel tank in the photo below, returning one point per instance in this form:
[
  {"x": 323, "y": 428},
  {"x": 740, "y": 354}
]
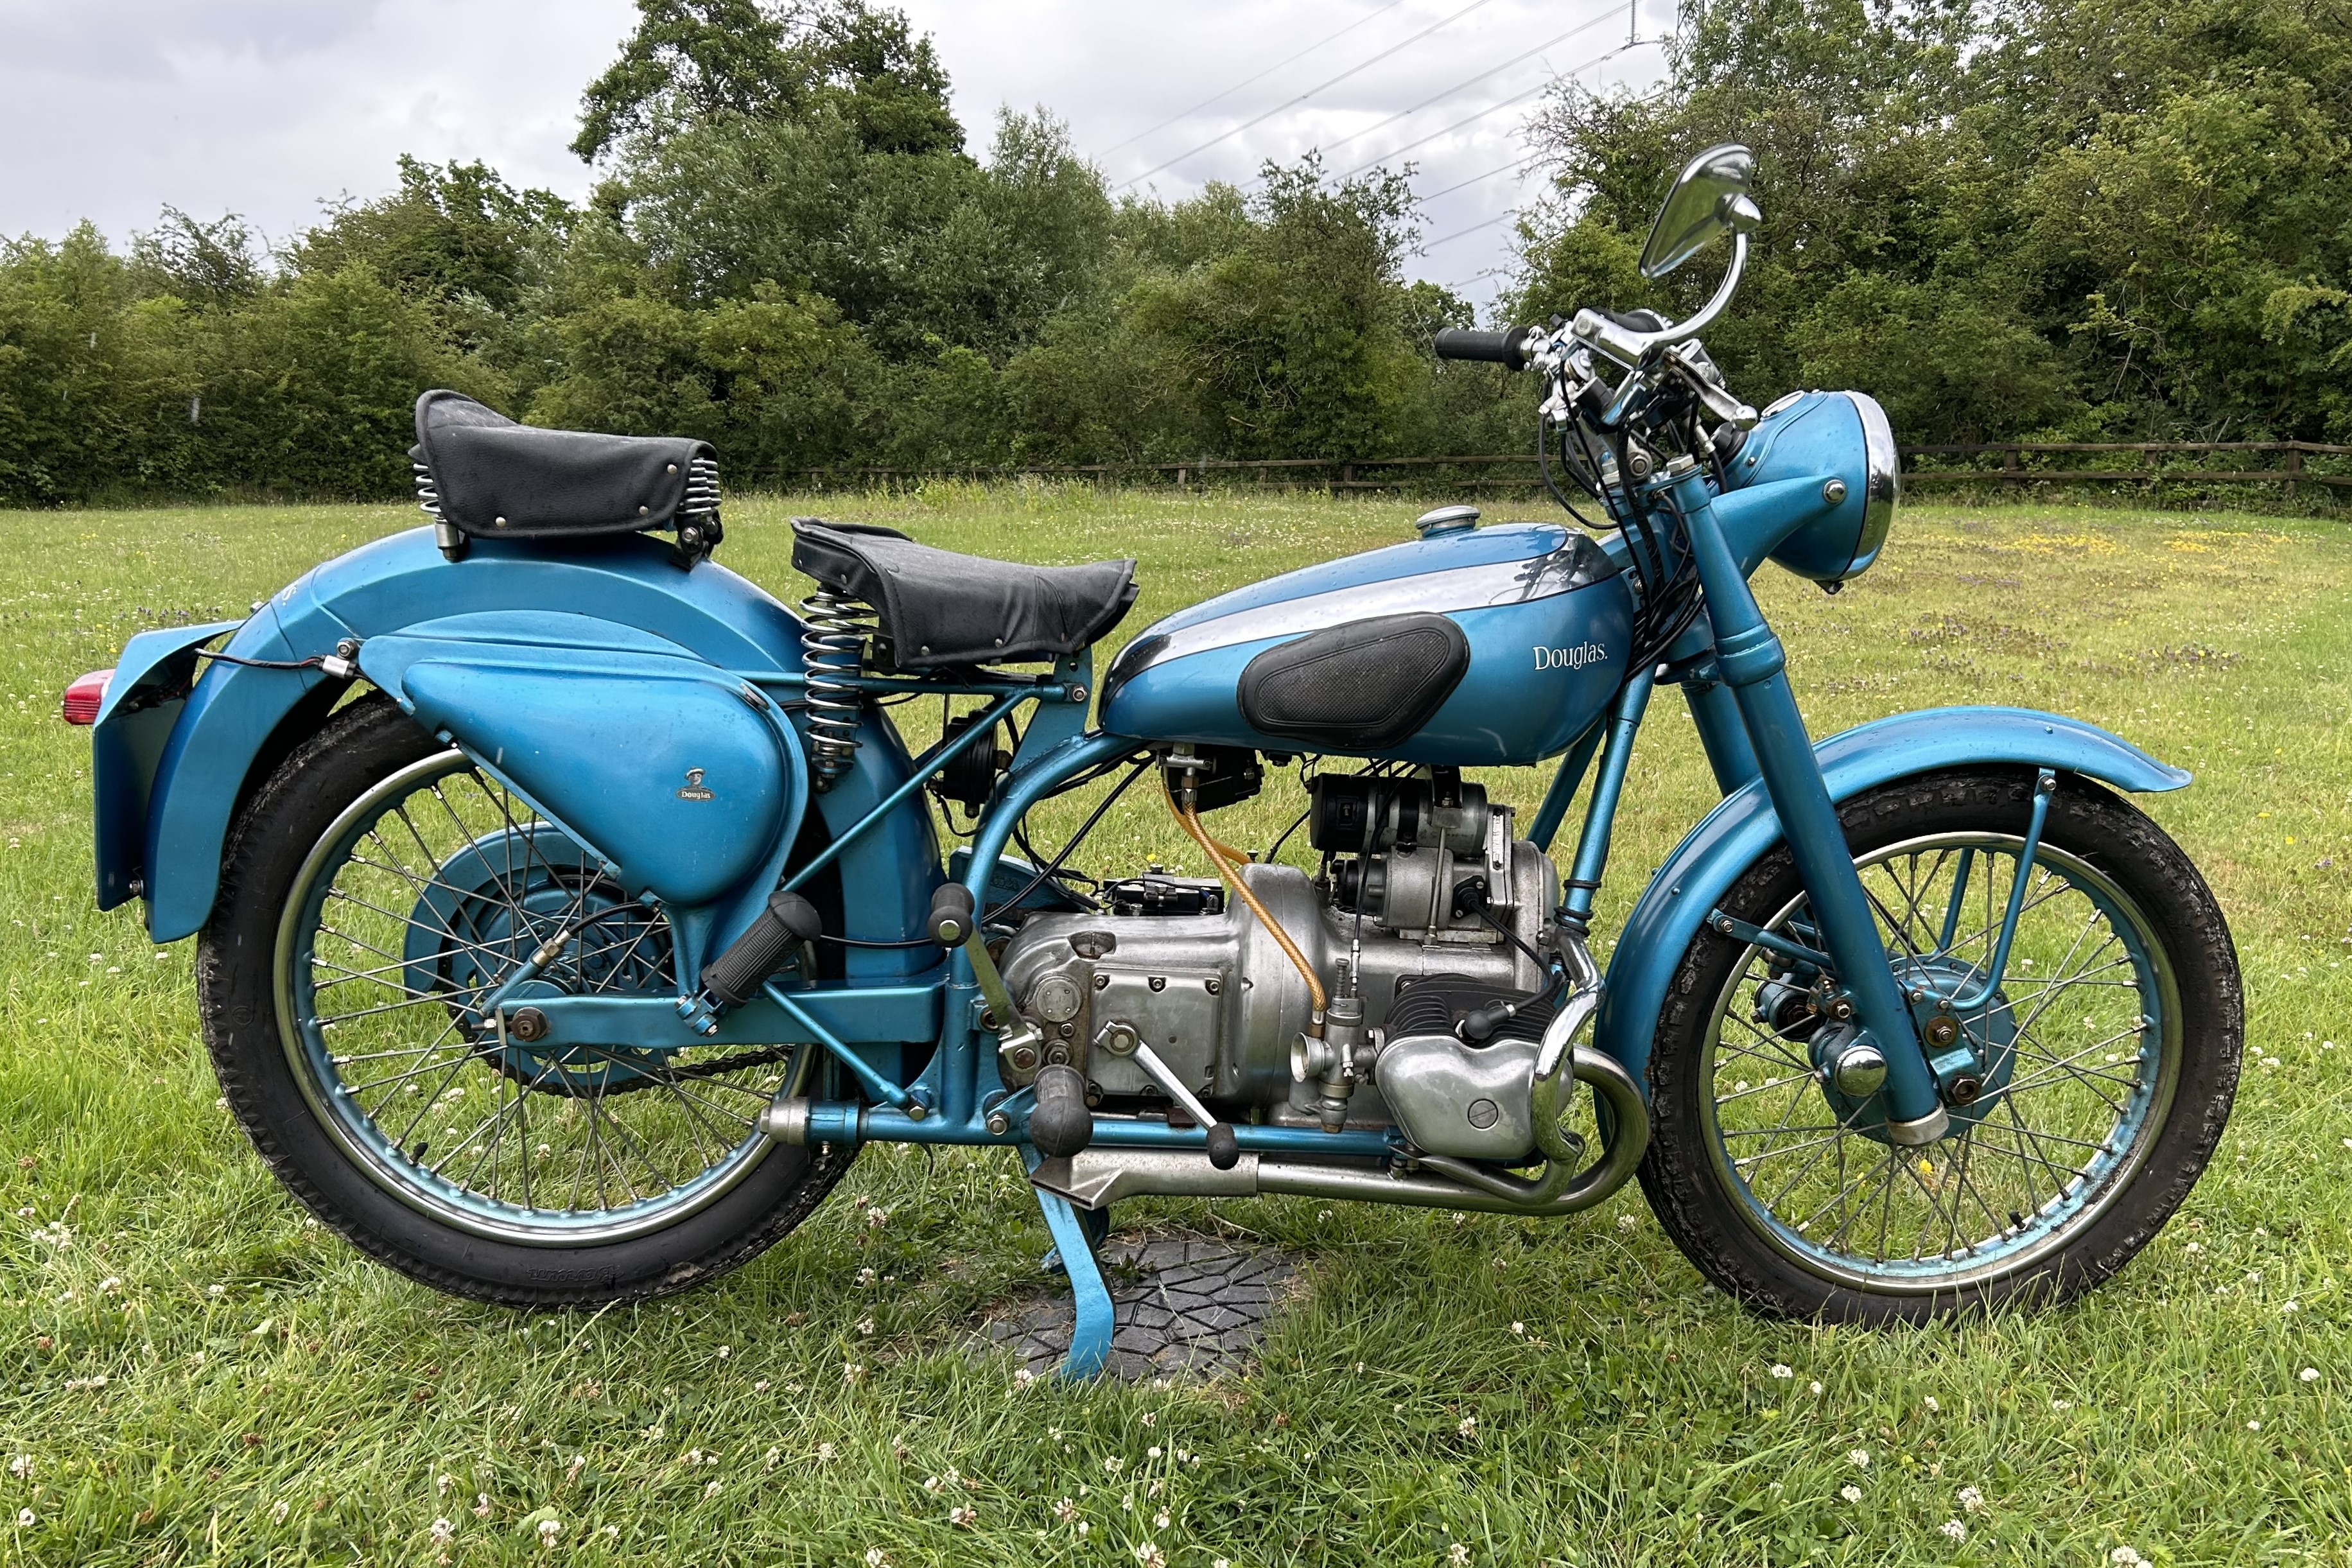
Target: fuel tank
[{"x": 1472, "y": 648}]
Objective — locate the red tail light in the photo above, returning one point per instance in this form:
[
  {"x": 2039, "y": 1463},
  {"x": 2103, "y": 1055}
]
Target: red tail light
[{"x": 85, "y": 696}]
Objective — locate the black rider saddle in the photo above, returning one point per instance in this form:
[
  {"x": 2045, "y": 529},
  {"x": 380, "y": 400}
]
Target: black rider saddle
[{"x": 937, "y": 608}]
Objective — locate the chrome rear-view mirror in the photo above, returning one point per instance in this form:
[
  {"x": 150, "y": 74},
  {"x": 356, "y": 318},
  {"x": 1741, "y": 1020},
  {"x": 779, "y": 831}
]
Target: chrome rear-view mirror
[{"x": 1712, "y": 196}]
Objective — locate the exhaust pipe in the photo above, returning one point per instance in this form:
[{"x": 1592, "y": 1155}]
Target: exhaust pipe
[{"x": 1097, "y": 1177}]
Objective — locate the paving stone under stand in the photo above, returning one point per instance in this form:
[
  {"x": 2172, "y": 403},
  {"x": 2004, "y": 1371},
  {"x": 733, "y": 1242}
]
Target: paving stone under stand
[{"x": 1179, "y": 1307}]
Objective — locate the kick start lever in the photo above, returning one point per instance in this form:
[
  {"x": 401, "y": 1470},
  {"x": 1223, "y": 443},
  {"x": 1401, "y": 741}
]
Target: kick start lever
[{"x": 1121, "y": 1040}]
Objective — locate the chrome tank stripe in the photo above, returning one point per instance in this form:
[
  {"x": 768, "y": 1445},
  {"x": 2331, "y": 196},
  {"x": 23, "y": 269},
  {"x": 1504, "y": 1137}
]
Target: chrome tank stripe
[{"x": 1462, "y": 588}]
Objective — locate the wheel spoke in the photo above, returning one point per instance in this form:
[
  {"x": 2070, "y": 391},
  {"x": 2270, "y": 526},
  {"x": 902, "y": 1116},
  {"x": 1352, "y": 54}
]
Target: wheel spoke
[
  {"x": 2041, "y": 1149},
  {"x": 451, "y": 876}
]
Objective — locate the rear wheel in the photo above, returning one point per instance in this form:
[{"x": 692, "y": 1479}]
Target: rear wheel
[
  {"x": 2085, "y": 1095},
  {"x": 376, "y": 891}
]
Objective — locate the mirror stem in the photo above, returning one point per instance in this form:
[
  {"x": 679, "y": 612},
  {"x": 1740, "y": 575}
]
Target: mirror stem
[{"x": 1629, "y": 347}]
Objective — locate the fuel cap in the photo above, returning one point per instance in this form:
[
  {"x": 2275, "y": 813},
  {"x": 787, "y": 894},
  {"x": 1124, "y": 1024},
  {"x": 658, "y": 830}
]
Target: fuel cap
[{"x": 1446, "y": 519}]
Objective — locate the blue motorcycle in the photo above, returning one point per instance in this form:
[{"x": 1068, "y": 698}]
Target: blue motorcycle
[{"x": 570, "y": 912}]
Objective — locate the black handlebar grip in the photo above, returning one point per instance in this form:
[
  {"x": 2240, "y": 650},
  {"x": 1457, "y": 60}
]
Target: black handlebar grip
[
  {"x": 735, "y": 975},
  {"x": 951, "y": 917},
  {"x": 1507, "y": 349},
  {"x": 1060, "y": 1124}
]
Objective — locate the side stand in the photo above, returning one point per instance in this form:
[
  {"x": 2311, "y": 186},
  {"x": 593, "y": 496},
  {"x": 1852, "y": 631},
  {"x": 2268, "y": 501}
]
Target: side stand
[{"x": 1075, "y": 1233}]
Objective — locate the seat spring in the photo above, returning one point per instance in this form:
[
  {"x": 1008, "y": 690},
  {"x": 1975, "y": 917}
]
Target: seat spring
[
  {"x": 701, "y": 503},
  {"x": 833, "y": 649},
  {"x": 428, "y": 499}
]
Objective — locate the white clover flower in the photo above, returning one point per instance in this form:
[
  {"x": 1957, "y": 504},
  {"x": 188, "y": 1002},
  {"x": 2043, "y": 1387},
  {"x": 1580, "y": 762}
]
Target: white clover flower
[
  {"x": 1782, "y": 1370},
  {"x": 277, "y": 1513},
  {"x": 2289, "y": 1308},
  {"x": 1954, "y": 1530},
  {"x": 2125, "y": 1557},
  {"x": 1065, "y": 1510},
  {"x": 964, "y": 1518},
  {"x": 1159, "y": 1520},
  {"x": 2254, "y": 1425},
  {"x": 1153, "y": 1452},
  {"x": 1971, "y": 1500},
  {"x": 2061, "y": 1406},
  {"x": 549, "y": 1528},
  {"x": 26, "y": 1519},
  {"x": 1813, "y": 1387},
  {"x": 442, "y": 1532},
  {"x": 825, "y": 1454},
  {"x": 877, "y": 1558},
  {"x": 1850, "y": 1492},
  {"x": 1458, "y": 1555},
  {"x": 21, "y": 1467},
  {"x": 2309, "y": 1374},
  {"x": 1149, "y": 1554},
  {"x": 724, "y": 1352},
  {"x": 481, "y": 1505},
  {"x": 1858, "y": 1457},
  {"x": 1930, "y": 1403},
  {"x": 1626, "y": 1222},
  {"x": 1111, "y": 1465},
  {"x": 1467, "y": 1426},
  {"x": 442, "y": 1483}
]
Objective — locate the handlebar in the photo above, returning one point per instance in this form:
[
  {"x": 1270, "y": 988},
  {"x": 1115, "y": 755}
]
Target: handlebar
[{"x": 1506, "y": 348}]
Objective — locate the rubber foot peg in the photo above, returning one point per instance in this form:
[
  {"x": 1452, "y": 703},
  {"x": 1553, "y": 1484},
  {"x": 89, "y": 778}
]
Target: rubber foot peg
[
  {"x": 952, "y": 915},
  {"x": 1224, "y": 1149},
  {"x": 735, "y": 975},
  {"x": 1060, "y": 1124}
]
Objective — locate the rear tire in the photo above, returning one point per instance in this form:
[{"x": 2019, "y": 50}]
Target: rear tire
[
  {"x": 275, "y": 1091},
  {"x": 2122, "y": 943}
]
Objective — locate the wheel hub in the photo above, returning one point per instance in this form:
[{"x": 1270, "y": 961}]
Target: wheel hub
[{"x": 1973, "y": 1056}]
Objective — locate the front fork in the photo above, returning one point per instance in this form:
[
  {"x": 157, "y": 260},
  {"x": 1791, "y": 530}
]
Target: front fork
[{"x": 1752, "y": 665}]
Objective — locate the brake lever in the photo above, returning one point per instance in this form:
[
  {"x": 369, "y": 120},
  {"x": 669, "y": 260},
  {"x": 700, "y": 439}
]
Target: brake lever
[{"x": 1717, "y": 399}]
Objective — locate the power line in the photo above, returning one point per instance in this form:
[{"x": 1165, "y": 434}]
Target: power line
[
  {"x": 1515, "y": 165},
  {"x": 1491, "y": 108},
  {"x": 1260, "y": 76},
  {"x": 1334, "y": 81},
  {"x": 1468, "y": 81},
  {"x": 1457, "y": 234}
]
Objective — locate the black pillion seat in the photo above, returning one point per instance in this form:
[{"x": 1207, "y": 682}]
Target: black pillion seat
[
  {"x": 480, "y": 473},
  {"x": 937, "y": 608}
]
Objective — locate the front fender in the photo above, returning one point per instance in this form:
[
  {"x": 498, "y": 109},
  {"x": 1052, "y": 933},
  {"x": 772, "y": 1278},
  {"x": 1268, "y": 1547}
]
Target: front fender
[{"x": 1704, "y": 866}]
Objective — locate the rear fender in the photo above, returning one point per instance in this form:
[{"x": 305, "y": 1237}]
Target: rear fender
[
  {"x": 144, "y": 699},
  {"x": 1744, "y": 826},
  {"x": 627, "y": 595}
]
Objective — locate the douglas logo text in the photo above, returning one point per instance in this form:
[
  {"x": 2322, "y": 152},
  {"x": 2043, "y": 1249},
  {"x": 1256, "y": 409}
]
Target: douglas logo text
[{"x": 1575, "y": 657}]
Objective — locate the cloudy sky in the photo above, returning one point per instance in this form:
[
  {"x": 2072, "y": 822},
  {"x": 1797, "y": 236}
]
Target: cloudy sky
[{"x": 110, "y": 110}]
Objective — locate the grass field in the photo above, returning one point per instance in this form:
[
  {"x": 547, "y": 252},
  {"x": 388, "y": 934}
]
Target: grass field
[{"x": 196, "y": 1373}]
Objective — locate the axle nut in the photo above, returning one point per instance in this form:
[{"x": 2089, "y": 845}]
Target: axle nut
[
  {"x": 528, "y": 1023},
  {"x": 1859, "y": 1071}
]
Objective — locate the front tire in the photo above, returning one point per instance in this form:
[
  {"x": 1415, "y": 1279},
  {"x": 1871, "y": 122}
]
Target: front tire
[
  {"x": 2101, "y": 1074},
  {"x": 373, "y": 890}
]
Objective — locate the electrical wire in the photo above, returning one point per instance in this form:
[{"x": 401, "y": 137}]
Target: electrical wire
[
  {"x": 1288, "y": 59},
  {"x": 1318, "y": 87},
  {"x": 1548, "y": 81},
  {"x": 1475, "y": 80}
]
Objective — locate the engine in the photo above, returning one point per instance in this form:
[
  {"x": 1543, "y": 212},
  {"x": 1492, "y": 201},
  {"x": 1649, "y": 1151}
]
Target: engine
[{"x": 1422, "y": 927}]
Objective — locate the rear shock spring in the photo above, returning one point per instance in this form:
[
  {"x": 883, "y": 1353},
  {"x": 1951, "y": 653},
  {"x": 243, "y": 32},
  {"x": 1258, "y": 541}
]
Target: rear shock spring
[{"x": 832, "y": 653}]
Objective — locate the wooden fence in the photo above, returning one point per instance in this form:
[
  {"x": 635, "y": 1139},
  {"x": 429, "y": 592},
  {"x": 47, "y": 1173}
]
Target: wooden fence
[{"x": 2008, "y": 465}]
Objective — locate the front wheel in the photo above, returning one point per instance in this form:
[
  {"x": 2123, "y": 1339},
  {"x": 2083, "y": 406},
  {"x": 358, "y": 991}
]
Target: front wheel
[
  {"x": 2085, "y": 1095},
  {"x": 377, "y": 891}
]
